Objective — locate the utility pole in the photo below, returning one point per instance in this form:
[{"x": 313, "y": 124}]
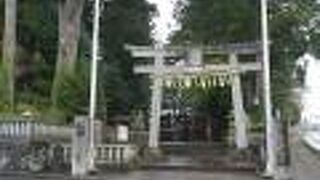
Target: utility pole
[
  {"x": 93, "y": 84},
  {"x": 270, "y": 124}
]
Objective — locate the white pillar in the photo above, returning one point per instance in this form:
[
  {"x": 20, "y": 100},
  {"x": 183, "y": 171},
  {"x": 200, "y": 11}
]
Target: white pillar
[
  {"x": 80, "y": 133},
  {"x": 270, "y": 124},
  {"x": 154, "y": 127},
  {"x": 156, "y": 101},
  {"x": 240, "y": 116},
  {"x": 93, "y": 83}
]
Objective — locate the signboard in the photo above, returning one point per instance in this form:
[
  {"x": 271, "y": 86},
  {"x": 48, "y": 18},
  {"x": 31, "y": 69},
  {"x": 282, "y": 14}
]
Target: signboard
[{"x": 122, "y": 133}]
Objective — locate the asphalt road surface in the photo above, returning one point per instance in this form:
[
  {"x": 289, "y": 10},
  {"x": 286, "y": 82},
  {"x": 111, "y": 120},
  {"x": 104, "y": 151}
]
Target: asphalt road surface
[
  {"x": 306, "y": 162},
  {"x": 152, "y": 175}
]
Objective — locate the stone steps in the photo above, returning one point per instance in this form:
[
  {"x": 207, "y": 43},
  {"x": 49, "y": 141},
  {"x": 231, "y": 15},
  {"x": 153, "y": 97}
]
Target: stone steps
[
  {"x": 201, "y": 157},
  {"x": 194, "y": 148},
  {"x": 194, "y": 165}
]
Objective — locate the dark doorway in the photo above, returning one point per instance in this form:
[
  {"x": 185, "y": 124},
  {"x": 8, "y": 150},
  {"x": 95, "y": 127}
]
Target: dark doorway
[{"x": 196, "y": 115}]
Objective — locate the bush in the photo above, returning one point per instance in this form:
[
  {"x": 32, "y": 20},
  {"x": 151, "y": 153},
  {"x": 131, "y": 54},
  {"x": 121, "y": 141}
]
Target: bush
[
  {"x": 73, "y": 93},
  {"x": 3, "y": 87}
]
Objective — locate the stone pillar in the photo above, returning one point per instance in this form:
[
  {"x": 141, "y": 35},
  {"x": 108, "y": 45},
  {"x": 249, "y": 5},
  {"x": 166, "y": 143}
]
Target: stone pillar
[
  {"x": 122, "y": 133},
  {"x": 156, "y": 101},
  {"x": 259, "y": 82},
  {"x": 240, "y": 116},
  {"x": 98, "y": 130},
  {"x": 80, "y": 150},
  {"x": 195, "y": 56}
]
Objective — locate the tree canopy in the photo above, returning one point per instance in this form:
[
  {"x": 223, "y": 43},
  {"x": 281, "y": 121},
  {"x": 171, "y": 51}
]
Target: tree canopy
[
  {"x": 293, "y": 31},
  {"x": 211, "y": 22},
  {"x": 122, "y": 22}
]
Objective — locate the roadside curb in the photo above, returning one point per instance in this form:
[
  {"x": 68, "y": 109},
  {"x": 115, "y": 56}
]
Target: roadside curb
[
  {"x": 100, "y": 176},
  {"x": 198, "y": 169},
  {"x": 55, "y": 176}
]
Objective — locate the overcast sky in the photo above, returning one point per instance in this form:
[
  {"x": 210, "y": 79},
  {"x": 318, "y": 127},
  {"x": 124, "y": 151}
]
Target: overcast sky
[{"x": 165, "y": 23}]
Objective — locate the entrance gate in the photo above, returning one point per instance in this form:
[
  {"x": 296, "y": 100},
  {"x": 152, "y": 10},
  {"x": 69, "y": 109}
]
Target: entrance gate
[
  {"x": 196, "y": 114},
  {"x": 185, "y": 66}
]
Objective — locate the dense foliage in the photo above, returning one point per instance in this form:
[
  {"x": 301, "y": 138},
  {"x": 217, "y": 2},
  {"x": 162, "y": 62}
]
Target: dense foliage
[
  {"x": 210, "y": 22},
  {"x": 123, "y": 22},
  {"x": 38, "y": 43},
  {"x": 290, "y": 24},
  {"x": 293, "y": 31}
]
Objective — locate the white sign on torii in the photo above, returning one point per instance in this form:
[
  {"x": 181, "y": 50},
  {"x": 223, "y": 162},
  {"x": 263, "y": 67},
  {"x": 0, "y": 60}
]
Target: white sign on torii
[{"x": 159, "y": 72}]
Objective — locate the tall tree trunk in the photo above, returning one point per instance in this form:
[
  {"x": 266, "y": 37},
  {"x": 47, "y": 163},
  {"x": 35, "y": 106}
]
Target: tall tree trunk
[
  {"x": 9, "y": 49},
  {"x": 70, "y": 13}
]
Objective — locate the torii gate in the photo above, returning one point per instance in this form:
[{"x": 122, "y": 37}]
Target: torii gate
[{"x": 159, "y": 72}]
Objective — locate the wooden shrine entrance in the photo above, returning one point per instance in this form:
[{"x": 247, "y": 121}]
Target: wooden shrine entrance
[{"x": 186, "y": 66}]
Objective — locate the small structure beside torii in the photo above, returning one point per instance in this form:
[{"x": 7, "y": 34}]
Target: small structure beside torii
[{"x": 191, "y": 69}]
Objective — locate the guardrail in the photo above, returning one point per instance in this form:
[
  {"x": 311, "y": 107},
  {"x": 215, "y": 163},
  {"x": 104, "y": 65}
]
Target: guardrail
[
  {"x": 32, "y": 129},
  {"x": 115, "y": 154},
  {"x": 107, "y": 154}
]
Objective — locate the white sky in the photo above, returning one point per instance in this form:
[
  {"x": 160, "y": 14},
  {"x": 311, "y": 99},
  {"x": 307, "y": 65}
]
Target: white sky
[{"x": 165, "y": 23}]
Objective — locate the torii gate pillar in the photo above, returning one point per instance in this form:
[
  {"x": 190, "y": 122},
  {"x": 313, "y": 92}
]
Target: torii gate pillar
[
  {"x": 156, "y": 102},
  {"x": 240, "y": 117}
]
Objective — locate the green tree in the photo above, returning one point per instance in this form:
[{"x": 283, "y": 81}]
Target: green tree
[
  {"x": 1, "y": 20},
  {"x": 70, "y": 15},
  {"x": 210, "y": 22},
  {"x": 38, "y": 44},
  {"x": 39, "y": 34},
  {"x": 9, "y": 49},
  {"x": 122, "y": 22},
  {"x": 293, "y": 32},
  {"x": 73, "y": 98},
  {"x": 289, "y": 22},
  {"x": 36, "y": 56}
]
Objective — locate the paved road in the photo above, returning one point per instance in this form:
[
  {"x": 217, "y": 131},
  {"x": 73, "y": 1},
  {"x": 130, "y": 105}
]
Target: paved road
[
  {"x": 306, "y": 163},
  {"x": 155, "y": 175},
  {"x": 181, "y": 175}
]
